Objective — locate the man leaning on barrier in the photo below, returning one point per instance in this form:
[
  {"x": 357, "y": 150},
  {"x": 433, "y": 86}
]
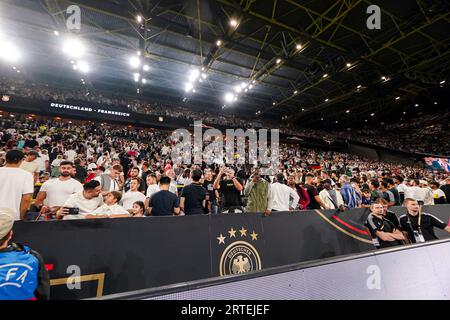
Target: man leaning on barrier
[
  {"x": 22, "y": 271},
  {"x": 383, "y": 231}
]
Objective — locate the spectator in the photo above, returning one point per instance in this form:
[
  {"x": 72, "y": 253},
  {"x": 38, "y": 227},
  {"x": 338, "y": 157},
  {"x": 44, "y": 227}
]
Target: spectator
[
  {"x": 366, "y": 198},
  {"x": 164, "y": 202},
  {"x": 31, "y": 165},
  {"x": 315, "y": 202},
  {"x": 415, "y": 192},
  {"x": 401, "y": 187},
  {"x": 303, "y": 202},
  {"x": 86, "y": 201},
  {"x": 387, "y": 194},
  {"x": 20, "y": 267},
  {"x": 16, "y": 187},
  {"x": 446, "y": 189},
  {"x": 55, "y": 192},
  {"x": 420, "y": 225},
  {"x": 348, "y": 193},
  {"x": 428, "y": 193},
  {"x": 145, "y": 171},
  {"x": 281, "y": 197},
  {"x": 383, "y": 231},
  {"x": 438, "y": 194},
  {"x": 257, "y": 191},
  {"x": 193, "y": 196},
  {"x": 331, "y": 198},
  {"x": 111, "y": 208},
  {"x": 138, "y": 209},
  {"x": 230, "y": 191},
  {"x": 374, "y": 186},
  {"x": 152, "y": 186},
  {"x": 134, "y": 173},
  {"x": 394, "y": 190},
  {"x": 43, "y": 160},
  {"x": 133, "y": 195},
  {"x": 208, "y": 184},
  {"x": 80, "y": 171},
  {"x": 109, "y": 182}
]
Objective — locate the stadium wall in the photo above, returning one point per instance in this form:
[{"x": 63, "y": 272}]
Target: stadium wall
[{"x": 117, "y": 255}]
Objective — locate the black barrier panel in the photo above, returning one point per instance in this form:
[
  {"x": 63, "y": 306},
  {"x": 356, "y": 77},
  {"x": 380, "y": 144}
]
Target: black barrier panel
[
  {"x": 308, "y": 235},
  {"x": 125, "y": 253},
  {"x": 119, "y": 255}
]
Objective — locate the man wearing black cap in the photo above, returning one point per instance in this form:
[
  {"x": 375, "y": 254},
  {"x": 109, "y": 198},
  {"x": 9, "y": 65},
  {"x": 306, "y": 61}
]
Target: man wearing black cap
[
  {"x": 22, "y": 271},
  {"x": 31, "y": 165},
  {"x": 16, "y": 187}
]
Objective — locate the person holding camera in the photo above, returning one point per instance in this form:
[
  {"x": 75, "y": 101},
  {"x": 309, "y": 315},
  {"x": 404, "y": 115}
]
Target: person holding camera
[
  {"x": 82, "y": 203},
  {"x": 230, "y": 189},
  {"x": 23, "y": 275},
  {"x": 420, "y": 225},
  {"x": 257, "y": 191}
]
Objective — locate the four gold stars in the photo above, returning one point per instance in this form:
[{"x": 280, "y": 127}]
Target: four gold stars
[{"x": 243, "y": 233}]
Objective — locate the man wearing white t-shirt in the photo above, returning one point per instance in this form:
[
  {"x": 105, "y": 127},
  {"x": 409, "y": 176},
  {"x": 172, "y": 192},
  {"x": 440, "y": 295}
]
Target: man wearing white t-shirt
[
  {"x": 133, "y": 195},
  {"x": 55, "y": 192},
  {"x": 152, "y": 188},
  {"x": 16, "y": 187}
]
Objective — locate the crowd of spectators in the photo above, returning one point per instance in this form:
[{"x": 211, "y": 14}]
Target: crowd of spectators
[
  {"x": 73, "y": 169},
  {"x": 426, "y": 134}
]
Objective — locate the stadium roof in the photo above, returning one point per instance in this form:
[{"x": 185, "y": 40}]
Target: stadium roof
[{"x": 306, "y": 60}]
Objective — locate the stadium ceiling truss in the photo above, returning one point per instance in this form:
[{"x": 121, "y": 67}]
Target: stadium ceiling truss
[{"x": 411, "y": 50}]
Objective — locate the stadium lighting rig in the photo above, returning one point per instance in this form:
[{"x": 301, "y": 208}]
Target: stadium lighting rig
[
  {"x": 74, "y": 48},
  {"x": 8, "y": 51}
]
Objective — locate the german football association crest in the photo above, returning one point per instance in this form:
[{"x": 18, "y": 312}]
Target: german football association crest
[{"x": 239, "y": 254}]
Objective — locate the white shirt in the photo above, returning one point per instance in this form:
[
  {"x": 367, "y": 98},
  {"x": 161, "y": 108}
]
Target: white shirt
[
  {"x": 114, "y": 209},
  {"x": 152, "y": 189},
  {"x": 92, "y": 165},
  {"x": 56, "y": 162},
  {"x": 428, "y": 196},
  {"x": 41, "y": 160},
  {"x": 415, "y": 193},
  {"x": 59, "y": 191},
  {"x": 31, "y": 167},
  {"x": 86, "y": 206},
  {"x": 71, "y": 154},
  {"x": 131, "y": 197},
  {"x": 280, "y": 196},
  {"x": 438, "y": 193},
  {"x": 15, "y": 182},
  {"x": 402, "y": 187}
]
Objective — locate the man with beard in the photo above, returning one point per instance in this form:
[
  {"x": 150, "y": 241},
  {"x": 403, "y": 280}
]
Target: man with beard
[{"x": 55, "y": 192}]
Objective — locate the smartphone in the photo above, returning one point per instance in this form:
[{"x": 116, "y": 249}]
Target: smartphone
[{"x": 74, "y": 211}]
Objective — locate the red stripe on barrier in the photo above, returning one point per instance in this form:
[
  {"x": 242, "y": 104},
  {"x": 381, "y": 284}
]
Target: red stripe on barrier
[
  {"x": 364, "y": 232},
  {"x": 49, "y": 267}
]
